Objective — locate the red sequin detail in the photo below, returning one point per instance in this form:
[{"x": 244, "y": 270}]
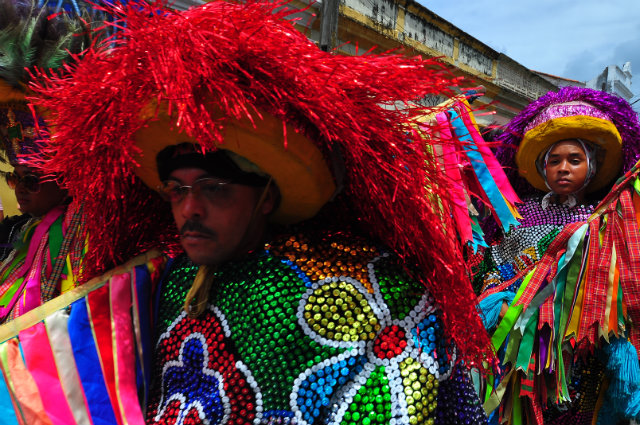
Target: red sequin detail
[{"x": 390, "y": 342}]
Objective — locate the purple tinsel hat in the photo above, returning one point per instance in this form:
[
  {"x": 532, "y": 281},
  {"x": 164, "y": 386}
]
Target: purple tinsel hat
[{"x": 617, "y": 109}]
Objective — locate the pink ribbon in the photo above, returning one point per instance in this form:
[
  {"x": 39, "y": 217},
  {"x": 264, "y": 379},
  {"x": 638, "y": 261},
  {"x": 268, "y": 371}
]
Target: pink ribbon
[
  {"x": 451, "y": 163},
  {"x": 31, "y": 296},
  {"x": 489, "y": 159},
  {"x": 41, "y": 363},
  {"x": 124, "y": 342}
]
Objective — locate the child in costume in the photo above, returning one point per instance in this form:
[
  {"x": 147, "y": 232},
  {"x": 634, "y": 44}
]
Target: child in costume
[
  {"x": 48, "y": 248},
  {"x": 570, "y": 143},
  {"x": 317, "y": 270},
  {"x": 603, "y": 129}
]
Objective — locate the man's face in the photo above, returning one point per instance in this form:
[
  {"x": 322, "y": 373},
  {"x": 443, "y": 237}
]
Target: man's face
[
  {"x": 39, "y": 199},
  {"x": 217, "y": 222}
]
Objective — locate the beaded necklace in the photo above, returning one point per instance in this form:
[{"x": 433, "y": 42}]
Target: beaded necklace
[{"x": 524, "y": 245}]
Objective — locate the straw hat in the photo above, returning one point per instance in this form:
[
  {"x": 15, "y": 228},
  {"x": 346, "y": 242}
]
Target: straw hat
[{"x": 571, "y": 120}]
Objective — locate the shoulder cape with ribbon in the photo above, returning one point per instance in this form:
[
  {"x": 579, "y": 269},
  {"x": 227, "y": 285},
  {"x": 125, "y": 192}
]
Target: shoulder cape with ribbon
[
  {"x": 46, "y": 262},
  {"x": 475, "y": 171},
  {"x": 581, "y": 300},
  {"x": 83, "y": 357}
]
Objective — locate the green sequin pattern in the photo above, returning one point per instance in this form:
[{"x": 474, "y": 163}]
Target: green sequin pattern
[
  {"x": 260, "y": 306},
  {"x": 174, "y": 291}
]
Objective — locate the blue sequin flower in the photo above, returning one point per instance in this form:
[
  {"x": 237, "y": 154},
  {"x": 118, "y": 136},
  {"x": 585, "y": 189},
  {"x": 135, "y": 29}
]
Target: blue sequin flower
[
  {"x": 204, "y": 382},
  {"x": 197, "y": 387}
]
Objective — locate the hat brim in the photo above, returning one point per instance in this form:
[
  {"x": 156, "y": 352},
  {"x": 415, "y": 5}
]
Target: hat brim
[
  {"x": 9, "y": 94},
  {"x": 299, "y": 169},
  {"x": 600, "y": 132}
]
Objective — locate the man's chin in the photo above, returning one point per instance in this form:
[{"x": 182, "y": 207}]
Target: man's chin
[
  {"x": 201, "y": 260},
  {"x": 200, "y": 255}
]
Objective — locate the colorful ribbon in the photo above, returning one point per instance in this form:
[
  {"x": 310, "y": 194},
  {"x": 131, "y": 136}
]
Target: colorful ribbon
[{"x": 83, "y": 353}]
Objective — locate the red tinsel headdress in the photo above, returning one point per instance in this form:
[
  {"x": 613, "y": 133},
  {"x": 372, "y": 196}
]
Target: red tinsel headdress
[{"x": 249, "y": 57}]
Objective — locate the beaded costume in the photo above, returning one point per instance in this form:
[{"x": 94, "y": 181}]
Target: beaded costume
[
  {"x": 502, "y": 267},
  {"x": 324, "y": 329},
  {"x": 524, "y": 245}
]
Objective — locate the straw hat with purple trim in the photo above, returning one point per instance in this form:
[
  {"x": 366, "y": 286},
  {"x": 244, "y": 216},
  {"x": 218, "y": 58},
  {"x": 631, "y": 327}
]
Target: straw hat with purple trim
[{"x": 571, "y": 120}]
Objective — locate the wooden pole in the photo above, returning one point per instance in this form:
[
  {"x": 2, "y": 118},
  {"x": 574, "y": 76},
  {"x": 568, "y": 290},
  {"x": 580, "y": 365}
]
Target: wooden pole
[{"x": 329, "y": 24}]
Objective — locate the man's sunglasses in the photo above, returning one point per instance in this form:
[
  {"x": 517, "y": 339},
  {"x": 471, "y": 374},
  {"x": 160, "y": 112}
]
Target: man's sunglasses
[{"x": 30, "y": 182}]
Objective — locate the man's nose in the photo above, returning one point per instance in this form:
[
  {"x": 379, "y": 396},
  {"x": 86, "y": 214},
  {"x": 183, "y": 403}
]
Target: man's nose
[{"x": 192, "y": 207}]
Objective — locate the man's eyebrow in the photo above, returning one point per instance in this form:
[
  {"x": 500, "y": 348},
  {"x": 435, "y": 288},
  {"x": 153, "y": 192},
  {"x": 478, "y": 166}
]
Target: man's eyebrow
[
  {"x": 173, "y": 179},
  {"x": 205, "y": 175}
]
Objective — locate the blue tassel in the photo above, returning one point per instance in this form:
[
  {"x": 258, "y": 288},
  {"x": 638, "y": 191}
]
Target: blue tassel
[
  {"x": 633, "y": 408},
  {"x": 607, "y": 415},
  {"x": 489, "y": 308},
  {"x": 623, "y": 369}
]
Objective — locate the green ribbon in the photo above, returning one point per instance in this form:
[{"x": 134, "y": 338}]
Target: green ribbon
[
  {"x": 571, "y": 276},
  {"x": 516, "y": 414},
  {"x": 526, "y": 344},
  {"x": 55, "y": 240},
  {"x": 494, "y": 400},
  {"x": 510, "y": 317},
  {"x": 8, "y": 296},
  {"x": 636, "y": 185}
]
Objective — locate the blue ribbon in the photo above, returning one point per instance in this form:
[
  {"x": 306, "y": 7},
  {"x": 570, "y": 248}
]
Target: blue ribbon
[
  {"x": 88, "y": 363},
  {"x": 505, "y": 216},
  {"x": 143, "y": 365},
  {"x": 7, "y": 413}
]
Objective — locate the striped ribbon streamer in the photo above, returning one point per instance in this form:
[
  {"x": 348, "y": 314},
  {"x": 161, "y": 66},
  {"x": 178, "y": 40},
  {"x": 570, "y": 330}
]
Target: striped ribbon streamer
[
  {"x": 471, "y": 168},
  {"x": 581, "y": 295},
  {"x": 82, "y": 358}
]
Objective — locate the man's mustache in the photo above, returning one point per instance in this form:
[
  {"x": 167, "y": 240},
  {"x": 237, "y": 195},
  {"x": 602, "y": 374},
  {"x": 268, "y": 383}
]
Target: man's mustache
[{"x": 196, "y": 226}]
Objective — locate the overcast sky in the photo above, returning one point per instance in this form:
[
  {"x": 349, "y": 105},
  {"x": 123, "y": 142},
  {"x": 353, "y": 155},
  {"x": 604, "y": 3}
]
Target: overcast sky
[{"x": 574, "y": 39}]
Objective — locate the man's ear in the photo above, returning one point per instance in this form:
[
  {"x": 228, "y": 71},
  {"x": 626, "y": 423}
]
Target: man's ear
[{"x": 271, "y": 199}]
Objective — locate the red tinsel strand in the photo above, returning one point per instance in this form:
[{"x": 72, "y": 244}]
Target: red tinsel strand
[{"x": 246, "y": 56}]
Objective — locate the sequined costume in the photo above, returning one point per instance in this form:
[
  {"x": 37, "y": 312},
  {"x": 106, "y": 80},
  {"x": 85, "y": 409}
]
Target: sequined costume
[
  {"x": 518, "y": 250},
  {"x": 311, "y": 330},
  {"x": 524, "y": 245}
]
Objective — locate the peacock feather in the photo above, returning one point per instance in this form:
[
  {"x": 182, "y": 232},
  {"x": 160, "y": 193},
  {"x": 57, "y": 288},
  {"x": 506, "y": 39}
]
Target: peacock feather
[{"x": 36, "y": 37}]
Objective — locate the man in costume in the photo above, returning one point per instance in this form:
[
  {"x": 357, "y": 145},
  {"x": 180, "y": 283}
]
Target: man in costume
[
  {"x": 47, "y": 238},
  {"x": 317, "y": 268}
]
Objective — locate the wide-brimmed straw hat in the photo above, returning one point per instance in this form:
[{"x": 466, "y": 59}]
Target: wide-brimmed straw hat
[
  {"x": 239, "y": 76},
  {"x": 565, "y": 121},
  {"x": 605, "y": 120}
]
